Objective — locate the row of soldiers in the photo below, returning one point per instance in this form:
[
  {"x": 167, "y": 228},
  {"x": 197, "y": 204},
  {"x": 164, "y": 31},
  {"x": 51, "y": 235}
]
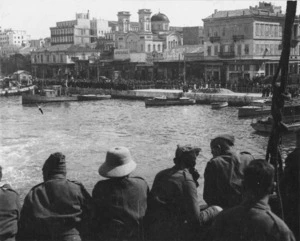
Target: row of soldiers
[{"x": 237, "y": 188}]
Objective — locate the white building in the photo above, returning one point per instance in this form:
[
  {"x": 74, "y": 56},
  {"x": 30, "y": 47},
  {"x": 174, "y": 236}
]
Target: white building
[{"x": 14, "y": 37}]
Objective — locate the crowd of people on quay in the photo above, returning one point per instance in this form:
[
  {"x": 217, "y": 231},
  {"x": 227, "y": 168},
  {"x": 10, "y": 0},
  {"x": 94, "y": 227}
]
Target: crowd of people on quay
[
  {"x": 237, "y": 188},
  {"x": 256, "y": 85}
]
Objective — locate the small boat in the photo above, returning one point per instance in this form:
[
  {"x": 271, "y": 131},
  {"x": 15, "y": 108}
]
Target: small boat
[
  {"x": 52, "y": 93},
  {"x": 163, "y": 101},
  {"x": 219, "y": 105},
  {"x": 265, "y": 125},
  {"x": 249, "y": 111},
  {"x": 93, "y": 97}
]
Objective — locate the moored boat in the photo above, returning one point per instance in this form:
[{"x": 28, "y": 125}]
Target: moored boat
[
  {"x": 163, "y": 101},
  {"x": 219, "y": 105},
  {"x": 93, "y": 97},
  {"x": 265, "y": 125},
  {"x": 52, "y": 93},
  {"x": 250, "y": 111}
]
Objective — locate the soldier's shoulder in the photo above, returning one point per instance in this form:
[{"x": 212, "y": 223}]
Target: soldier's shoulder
[
  {"x": 139, "y": 178},
  {"x": 7, "y": 187},
  {"x": 187, "y": 175},
  {"x": 75, "y": 182}
]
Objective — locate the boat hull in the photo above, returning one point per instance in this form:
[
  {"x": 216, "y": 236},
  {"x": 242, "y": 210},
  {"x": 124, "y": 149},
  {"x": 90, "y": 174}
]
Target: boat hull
[
  {"x": 219, "y": 105},
  {"x": 153, "y": 102},
  {"x": 248, "y": 111},
  {"x": 93, "y": 97},
  {"x": 267, "y": 128},
  {"x": 18, "y": 91},
  {"x": 32, "y": 99}
]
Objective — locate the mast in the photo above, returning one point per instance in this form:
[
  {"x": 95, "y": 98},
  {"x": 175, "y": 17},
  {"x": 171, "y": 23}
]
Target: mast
[{"x": 273, "y": 153}]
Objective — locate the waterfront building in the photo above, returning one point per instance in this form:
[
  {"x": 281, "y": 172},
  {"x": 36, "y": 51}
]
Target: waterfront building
[
  {"x": 14, "y": 37},
  {"x": 244, "y": 43},
  {"x": 193, "y": 35},
  {"x": 63, "y": 61},
  {"x": 82, "y": 30}
]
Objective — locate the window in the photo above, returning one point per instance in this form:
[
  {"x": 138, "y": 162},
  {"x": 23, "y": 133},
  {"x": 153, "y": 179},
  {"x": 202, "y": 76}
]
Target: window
[
  {"x": 231, "y": 67},
  {"x": 61, "y": 58},
  {"x": 246, "y": 48},
  {"x": 216, "y": 50},
  {"x": 153, "y": 47},
  {"x": 42, "y": 58},
  {"x": 246, "y": 67},
  {"x": 149, "y": 48},
  {"x": 239, "y": 49},
  {"x": 209, "y": 51},
  {"x": 54, "y": 59},
  {"x": 158, "y": 47},
  {"x": 142, "y": 47},
  {"x": 48, "y": 58},
  {"x": 224, "y": 31}
]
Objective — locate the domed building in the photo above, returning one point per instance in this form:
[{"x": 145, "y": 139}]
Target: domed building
[
  {"x": 159, "y": 22},
  {"x": 153, "y": 34}
]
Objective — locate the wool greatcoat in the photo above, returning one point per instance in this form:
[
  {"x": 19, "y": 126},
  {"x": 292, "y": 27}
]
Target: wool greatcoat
[
  {"x": 249, "y": 222},
  {"x": 9, "y": 213},
  {"x": 119, "y": 208},
  {"x": 174, "y": 212},
  {"x": 223, "y": 177},
  {"x": 56, "y": 209}
]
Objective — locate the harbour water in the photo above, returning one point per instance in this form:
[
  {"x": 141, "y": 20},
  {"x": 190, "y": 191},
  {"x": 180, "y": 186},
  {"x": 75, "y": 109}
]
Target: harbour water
[{"x": 84, "y": 131}]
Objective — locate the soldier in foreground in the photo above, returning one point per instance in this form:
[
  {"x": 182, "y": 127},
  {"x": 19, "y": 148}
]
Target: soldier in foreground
[
  {"x": 120, "y": 202},
  {"x": 253, "y": 218},
  {"x": 56, "y": 209},
  {"x": 290, "y": 189},
  {"x": 9, "y": 212},
  {"x": 173, "y": 212},
  {"x": 224, "y": 173}
]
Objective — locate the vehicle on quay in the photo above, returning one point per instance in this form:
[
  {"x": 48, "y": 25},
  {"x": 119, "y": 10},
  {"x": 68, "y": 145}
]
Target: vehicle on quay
[
  {"x": 164, "y": 101},
  {"x": 16, "y": 84},
  {"x": 219, "y": 105},
  {"x": 91, "y": 97},
  {"x": 53, "y": 93}
]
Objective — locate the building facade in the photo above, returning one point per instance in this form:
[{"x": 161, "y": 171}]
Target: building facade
[
  {"x": 244, "y": 43},
  {"x": 82, "y": 30},
  {"x": 14, "y": 37},
  {"x": 63, "y": 60}
]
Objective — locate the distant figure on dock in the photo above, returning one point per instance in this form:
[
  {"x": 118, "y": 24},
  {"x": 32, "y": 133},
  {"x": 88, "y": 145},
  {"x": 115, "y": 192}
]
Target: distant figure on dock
[
  {"x": 224, "y": 173},
  {"x": 56, "y": 209},
  {"x": 290, "y": 189},
  {"x": 120, "y": 202},
  {"x": 253, "y": 218},
  {"x": 173, "y": 211},
  {"x": 9, "y": 212}
]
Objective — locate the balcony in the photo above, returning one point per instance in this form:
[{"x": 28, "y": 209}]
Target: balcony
[
  {"x": 227, "y": 55},
  {"x": 214, "y": 39},
  {"x": 238, "y": 37}
]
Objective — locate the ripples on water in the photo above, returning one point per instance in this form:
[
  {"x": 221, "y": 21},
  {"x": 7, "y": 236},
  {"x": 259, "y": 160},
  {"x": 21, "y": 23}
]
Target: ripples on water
[{"x": 84, "y": 131}]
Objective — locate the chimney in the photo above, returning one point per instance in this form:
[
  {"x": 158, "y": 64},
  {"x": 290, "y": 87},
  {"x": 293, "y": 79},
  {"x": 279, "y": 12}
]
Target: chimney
[{"x": 216, "y": 10}]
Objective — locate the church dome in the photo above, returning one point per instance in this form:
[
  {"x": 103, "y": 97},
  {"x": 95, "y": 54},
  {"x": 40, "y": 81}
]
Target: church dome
[{"x": 160, "y": 17}]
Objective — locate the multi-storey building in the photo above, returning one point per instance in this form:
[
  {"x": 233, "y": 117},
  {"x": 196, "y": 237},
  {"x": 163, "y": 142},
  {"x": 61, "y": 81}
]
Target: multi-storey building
[
  {"x": 153, "y": 33},
  {"x": 14, "y": 37},
  {"x": 193, "y": 35},
  {"x": 244, "y": 43},
  {"x": 64, "y": 59},
  {"x": 82, "y": 30}
]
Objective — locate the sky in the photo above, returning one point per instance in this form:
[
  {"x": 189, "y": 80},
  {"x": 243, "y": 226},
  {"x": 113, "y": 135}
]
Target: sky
[{"x": 37, "y": 16}]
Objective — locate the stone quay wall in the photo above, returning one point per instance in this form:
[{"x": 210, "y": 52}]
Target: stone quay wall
[{"x": 233, "y": 99}]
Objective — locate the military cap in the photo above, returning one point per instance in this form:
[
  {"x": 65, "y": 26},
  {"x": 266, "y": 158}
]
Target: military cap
[{"x": 229, "y": 138}]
